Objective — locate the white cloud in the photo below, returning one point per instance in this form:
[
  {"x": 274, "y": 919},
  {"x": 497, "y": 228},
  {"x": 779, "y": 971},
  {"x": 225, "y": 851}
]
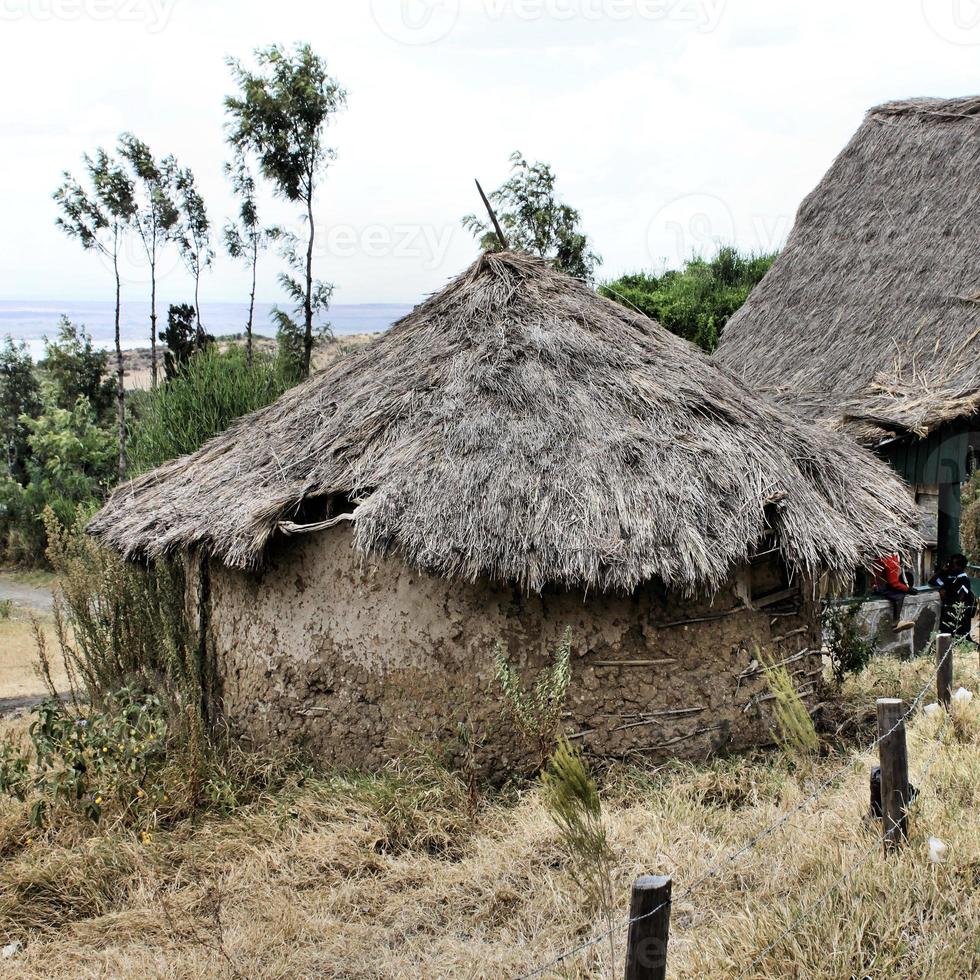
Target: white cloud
[{"x": 668, "y": 125}]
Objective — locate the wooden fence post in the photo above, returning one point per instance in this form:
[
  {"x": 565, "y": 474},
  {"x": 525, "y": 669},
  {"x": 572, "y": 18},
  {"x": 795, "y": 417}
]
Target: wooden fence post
[
  {"x": 944, "y": 676},
  {"x": 646, "y": 942},
  {"x": 893, "y": 753}
]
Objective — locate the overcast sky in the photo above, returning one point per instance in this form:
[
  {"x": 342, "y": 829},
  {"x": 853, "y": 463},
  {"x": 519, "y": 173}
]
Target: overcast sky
[{"x": 672, "y": 124}]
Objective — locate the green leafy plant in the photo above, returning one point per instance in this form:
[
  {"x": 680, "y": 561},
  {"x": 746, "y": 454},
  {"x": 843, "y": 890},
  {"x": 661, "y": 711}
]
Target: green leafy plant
[
  {"x": 537, "y": 711},
  {"x": 210, "y": 391},
  {"x": 74, "y": 368},
  {"x": 849, "y": 650},
  {"x": 20, "y": 401},
  {"x": 97, "y": 764},
  {"x": 70, "y": 466},
  {"x": 534, "y": 220},
  {"x": 183, "y": 338},
  {"x": 571, "y": 798},
  {"x": 697, "y": 301},
  {"x": 970, "y": 519},
  {"x": 794, "y": 732},
  {"x": 6, "y": 608},
  {"x": 119, "y": 624}
]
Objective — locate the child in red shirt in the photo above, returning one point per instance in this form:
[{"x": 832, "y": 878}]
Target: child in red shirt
[{"x": 889, "y": 583}]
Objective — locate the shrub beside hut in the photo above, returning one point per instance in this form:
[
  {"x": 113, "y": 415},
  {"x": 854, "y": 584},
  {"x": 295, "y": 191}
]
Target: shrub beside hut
[{"x": 515, "y": 457}]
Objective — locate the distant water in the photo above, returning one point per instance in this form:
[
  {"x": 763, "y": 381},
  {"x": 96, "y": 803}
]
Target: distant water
[{"x": 32, "y": 321}]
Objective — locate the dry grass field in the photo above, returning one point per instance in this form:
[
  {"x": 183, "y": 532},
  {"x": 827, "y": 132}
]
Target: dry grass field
[{"x": 403, "y": 874}]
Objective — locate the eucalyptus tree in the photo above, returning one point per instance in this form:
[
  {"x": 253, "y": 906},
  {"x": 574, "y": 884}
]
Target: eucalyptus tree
[
  {"x": 281, "y": 114},
  {"x": 155, "y": 218},
  {"x": 99, "y": 217},
  {"x": 534, "y": 220},
  {"x": 193, "y": 231},
  {"x": 245, "y": 238}
]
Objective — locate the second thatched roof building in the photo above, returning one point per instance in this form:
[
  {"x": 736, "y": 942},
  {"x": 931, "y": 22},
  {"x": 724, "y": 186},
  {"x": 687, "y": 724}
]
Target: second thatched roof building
[
  {"x": 516, "y": 456},
  {"x": 869, "y": 320}
]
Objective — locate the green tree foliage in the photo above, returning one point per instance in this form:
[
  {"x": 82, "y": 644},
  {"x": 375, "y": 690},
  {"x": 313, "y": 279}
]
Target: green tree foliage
[
  {"x": 155, "y": 216},
  {"x": 183, "y": 337},
  {"x": 291, "y": 345},
  {"x": 246, "y": 238},
  {"x": 99, "y": 218},
  {"x": 534, "y": 220},
  {"x": 280, "y": 115},
  {"x": 75, "y": 369},
  {"x": 70, "y": 465},
  {"x": 970, "y": 520},
  {"x": 20, "y": 400},
  {"x": 193, "y": 232},
  {"x": 204, "y": 398},
  {"x": 697, "y": 301}
]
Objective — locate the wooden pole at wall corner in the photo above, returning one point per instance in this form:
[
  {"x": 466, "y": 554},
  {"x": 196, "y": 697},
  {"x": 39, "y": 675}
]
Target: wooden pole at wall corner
[
  {"x": 893, "y": 754},
  {"x": 944, "y": 675},
  {"x": 646, "y": 942}
]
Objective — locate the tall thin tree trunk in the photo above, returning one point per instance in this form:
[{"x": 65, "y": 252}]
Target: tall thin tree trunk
[
  {"x": 120, "y": 372},
  {"x": 153, "y": 315},
  {"x": 251, "y": 305},
  {"x": 308, "y": 304},
  {"x": 197, "y": 302}
]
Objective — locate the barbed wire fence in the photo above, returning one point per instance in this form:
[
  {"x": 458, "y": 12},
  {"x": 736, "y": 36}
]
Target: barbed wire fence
[{"x": 628, "y": 922}]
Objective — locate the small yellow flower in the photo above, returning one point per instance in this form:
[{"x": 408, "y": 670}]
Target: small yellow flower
[
  {"x": 29, "y": 841},
  {"x": 140, "y": 794},
  {"x": 98, "y": 799},
  {"x": 145, "y": 837}
]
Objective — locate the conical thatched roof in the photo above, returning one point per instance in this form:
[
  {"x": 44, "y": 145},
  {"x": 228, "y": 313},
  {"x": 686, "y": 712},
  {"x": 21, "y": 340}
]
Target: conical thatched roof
[
  {"x": 870, "y": 317},
  {"x": 518, "y": 425}
]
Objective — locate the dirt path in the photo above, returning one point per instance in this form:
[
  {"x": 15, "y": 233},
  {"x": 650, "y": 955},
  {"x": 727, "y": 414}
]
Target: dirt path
[{"x": 25, "y": 596}]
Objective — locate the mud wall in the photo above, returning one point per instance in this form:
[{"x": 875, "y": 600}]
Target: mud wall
[{"x": 354, "y": 659}]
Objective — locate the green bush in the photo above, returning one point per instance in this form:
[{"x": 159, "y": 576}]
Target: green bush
[
  {"x": 850, "y": 652},
  {"x": 70, "y": 466},
  {"x": 74, "y": 368},
  {"x": 98, "y": 763},
  {"x": 970, "y": 519},
  {"x": 121, "y": 624},
  {"x": 134, "y": 743},
  {"x": 212, "y": 390},
  {"x": 697, "y": 301}
]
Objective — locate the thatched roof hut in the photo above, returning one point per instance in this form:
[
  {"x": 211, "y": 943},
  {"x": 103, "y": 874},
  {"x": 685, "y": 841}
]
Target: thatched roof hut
[
  {"x": 519, "y": 426},
  {"x": 870, "y": 317},
  {"x": 515, "y": 456}
]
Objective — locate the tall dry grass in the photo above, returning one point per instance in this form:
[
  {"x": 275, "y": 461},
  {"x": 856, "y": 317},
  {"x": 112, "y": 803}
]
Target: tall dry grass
[{"x": 390, "y": 875}]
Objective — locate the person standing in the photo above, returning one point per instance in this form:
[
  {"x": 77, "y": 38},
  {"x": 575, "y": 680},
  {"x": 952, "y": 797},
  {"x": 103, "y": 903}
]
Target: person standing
[{"x": 956, "y": 592}]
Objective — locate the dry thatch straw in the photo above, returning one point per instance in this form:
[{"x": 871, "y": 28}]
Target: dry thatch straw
[
  {"x": 870, "y": 317},
  {"x": 520, "y": 426}
]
